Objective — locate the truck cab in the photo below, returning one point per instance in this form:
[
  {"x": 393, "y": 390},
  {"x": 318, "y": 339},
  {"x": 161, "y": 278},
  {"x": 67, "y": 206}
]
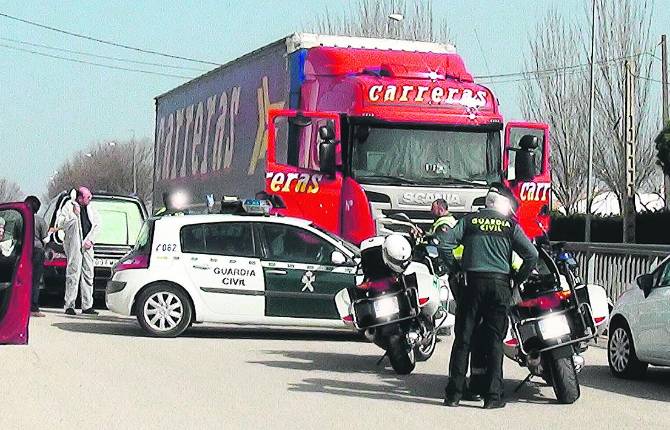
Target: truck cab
[{"x": 376, "y": 131}]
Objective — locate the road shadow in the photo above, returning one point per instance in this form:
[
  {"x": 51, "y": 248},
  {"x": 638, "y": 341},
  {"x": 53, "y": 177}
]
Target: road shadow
[
  {"x": 108, "y": 325},
  {"x": 415, "y": 388},
  {"x": 655, "y": 386}
]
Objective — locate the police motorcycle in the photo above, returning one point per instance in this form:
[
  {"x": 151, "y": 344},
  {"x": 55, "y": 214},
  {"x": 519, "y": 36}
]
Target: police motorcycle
[
  {"x": 399, "y": 301},
  {"x": 553, "y": 321}
]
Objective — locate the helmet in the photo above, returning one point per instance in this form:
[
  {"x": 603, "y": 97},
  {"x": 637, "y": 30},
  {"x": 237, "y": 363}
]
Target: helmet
[
  {"x": 396, "y": 252},
  {"x": 500, "y": 199}
]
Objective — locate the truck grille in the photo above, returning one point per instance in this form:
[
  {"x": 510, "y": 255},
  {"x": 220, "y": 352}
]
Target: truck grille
[{"x": 423, "y": 219}]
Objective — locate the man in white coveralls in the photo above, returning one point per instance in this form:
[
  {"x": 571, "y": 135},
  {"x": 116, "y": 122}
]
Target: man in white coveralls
[{"x": 81, "y": 223}]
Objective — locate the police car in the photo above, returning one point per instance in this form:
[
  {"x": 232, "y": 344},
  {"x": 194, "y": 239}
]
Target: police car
[{"x": 232, "y": 268}]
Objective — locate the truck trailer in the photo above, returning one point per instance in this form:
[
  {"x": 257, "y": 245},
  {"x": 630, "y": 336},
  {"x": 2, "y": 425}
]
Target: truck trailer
[{"x": 347, "y": 132}]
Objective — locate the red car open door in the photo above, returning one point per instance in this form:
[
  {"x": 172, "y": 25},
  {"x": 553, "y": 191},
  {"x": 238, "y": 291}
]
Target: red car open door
[{"x": 16, "y": 251}]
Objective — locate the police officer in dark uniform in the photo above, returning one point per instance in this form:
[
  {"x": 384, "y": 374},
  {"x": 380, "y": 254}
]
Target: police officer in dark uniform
[{"x": 489, "y": 237}]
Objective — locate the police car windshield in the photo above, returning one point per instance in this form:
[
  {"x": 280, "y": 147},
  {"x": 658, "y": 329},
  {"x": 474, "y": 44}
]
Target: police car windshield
[
  {"x": 347, "y": 245},
  {"x": 425, "y": 156}
]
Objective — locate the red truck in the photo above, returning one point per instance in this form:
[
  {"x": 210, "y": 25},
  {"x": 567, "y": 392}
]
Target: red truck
[{"x": 349, "y": 131}]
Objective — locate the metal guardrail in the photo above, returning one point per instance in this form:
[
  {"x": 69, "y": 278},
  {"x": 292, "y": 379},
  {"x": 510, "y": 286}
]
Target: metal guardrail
[{"x": 616, "y": 265}]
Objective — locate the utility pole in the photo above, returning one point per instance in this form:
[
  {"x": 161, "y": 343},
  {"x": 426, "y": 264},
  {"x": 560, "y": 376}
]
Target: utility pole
[
  {"x": 630, "y": 139},
  {"x": 134, "y": 165},
  {"x": 589, "y": 179},
  {"x": 666, "y": 118}
]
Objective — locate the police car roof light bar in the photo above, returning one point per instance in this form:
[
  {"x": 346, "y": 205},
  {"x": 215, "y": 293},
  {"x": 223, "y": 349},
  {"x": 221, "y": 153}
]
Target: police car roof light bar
[{"x": 257, "y": 207}]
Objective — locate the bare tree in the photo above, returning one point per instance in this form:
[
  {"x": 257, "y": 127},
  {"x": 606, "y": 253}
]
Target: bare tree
[
  {"x": 108, "y": 167},
  {"x": 557, "y": 98},
  {"x": 560, "y": 98},
  {"x": 9, "y": 191},
  {"x": 623, "y": 33},
  {"x": 369, "y": 18}
]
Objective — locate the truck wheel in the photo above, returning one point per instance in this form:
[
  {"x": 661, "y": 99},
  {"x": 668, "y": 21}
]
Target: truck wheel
[
  {"x": 621, "y": 354},
  {"x": 402, "y": 360},
  {"x": 564, "y": 379},
  {"x": 164, "y": 310}
]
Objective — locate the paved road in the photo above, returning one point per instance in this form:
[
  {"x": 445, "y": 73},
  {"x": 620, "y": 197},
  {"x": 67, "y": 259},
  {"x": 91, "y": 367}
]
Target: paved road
[{"x": 101, "y": 372}]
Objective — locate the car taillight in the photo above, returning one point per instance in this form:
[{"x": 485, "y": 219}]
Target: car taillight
[
  {"x": 378, "y": 285},
  {"x": 599, "y": 320},
  {"x": 139, "y": 261},
  {"x": 349, "y": 319},
  {"x": 546, "y": 302},
  {"x": 423, "y": 301},
  {"x": 54, "y": 259}
]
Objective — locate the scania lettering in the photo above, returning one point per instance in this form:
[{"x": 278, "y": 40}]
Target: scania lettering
[{"x": 348, "y": 132}]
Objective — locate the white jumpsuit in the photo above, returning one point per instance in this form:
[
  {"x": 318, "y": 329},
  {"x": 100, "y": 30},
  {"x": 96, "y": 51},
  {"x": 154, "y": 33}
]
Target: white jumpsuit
[{"x": 79, "y": 272}]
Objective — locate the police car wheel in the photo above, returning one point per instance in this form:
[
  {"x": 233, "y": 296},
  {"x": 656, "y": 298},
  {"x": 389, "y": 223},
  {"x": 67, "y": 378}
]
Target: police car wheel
[{"x": 164, "y": 310}]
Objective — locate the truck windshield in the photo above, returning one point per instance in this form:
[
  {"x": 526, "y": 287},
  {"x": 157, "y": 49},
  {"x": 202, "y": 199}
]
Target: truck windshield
[{"x": 425, "y": 156}]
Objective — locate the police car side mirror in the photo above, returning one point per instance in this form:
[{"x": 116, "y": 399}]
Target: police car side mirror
[{"x": 338, "y": 258}]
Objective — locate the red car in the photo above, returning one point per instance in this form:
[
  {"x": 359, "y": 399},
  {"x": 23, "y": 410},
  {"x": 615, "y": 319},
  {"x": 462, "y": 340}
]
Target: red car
[{"x": 16, "y": 250}]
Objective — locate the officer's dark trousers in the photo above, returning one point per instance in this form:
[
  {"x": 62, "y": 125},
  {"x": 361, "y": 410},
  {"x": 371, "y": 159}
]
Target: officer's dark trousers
[
  {"x": 485, "y": 298},
  {"x": 38, "y": 271}
]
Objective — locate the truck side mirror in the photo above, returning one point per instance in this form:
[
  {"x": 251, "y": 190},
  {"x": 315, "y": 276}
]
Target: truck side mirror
[
  {"x": 327, "y": 149},
  {"x": 327, "y": 160},
  {"x": 524, "y": 161},
  {"x": 326, "y": 132}
]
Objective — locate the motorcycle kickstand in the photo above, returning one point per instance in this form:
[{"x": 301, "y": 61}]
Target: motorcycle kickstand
[
  {"x": 382, "y": 358},
  {"x": 518, "y": 387}
]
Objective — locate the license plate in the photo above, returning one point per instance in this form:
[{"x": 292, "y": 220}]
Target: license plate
[
  {"x": 386, "y": 307},
  {"x": 104, "y": 262},
  {"x": 553, "y": 327}
]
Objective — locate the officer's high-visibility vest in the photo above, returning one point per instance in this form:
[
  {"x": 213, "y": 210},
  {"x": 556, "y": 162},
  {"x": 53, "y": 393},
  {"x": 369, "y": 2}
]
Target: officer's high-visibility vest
[
  {"x": 517, "y": 261},
  {"x": 447, "y": 220}
]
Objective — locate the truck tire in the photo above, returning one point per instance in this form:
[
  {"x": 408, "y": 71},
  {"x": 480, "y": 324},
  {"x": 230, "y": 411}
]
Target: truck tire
[
  {"x": 164, "y": 310},
  {"x": 564, "y": 379},
  {"x": 402, "y": 359},
  {"x": 621, "y": 356}
]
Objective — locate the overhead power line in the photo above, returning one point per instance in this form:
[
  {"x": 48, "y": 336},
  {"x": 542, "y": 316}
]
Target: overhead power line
[
  {"x": 106, "y": 42},
  {"x": 527, "y": 75},
  {"x": 126, "y": 60},
  {"x": 93, "y": 64}
]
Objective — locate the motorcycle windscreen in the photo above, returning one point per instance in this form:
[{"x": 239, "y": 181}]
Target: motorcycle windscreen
[{"x": 16, "y": 250}]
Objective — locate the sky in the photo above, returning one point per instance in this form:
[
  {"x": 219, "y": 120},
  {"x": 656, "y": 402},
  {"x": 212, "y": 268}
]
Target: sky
[{"x": 52, "y": 108}]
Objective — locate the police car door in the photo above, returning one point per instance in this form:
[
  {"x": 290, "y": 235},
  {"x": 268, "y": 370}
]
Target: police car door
[
  {"x": 222, "y": 263},
  {"x": 300, "y": 279}
]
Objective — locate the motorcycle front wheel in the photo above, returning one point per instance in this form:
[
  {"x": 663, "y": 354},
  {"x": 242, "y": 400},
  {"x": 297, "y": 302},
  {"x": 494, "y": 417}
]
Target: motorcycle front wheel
[
  {"x": 403, "y": 360},
  {"x": 564, "y": 379},
  {"x": 424, "y": 351}
]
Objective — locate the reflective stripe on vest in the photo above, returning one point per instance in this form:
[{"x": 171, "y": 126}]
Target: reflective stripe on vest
[{"x": 447, "y": 220}]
